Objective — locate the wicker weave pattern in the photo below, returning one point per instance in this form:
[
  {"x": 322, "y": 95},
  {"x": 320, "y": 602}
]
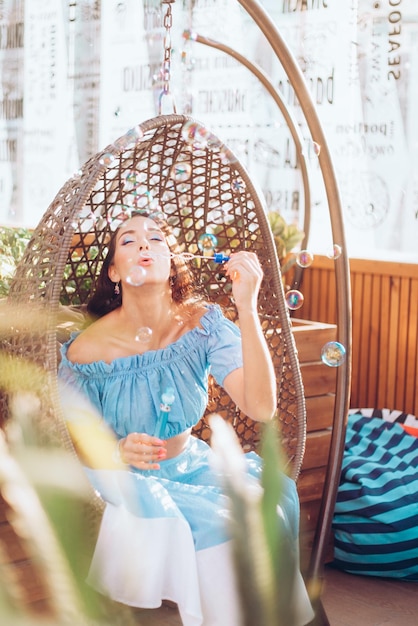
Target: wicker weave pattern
[{"x": 208, "y": 188}]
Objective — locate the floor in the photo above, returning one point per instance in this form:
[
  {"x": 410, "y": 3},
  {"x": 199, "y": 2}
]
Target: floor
[
  {"x": 348, "y": 601},
  {"x": 363, "y": 601}
]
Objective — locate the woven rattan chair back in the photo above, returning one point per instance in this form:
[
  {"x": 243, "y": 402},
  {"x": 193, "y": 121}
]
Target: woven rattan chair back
[{"x": 173, "y": 164}]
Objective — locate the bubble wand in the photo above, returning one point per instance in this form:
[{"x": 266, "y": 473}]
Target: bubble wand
[
  {"x": 167, "y": 399},
  {"x": 217, "y": 257}
]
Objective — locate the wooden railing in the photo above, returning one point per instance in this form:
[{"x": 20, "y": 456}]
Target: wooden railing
[{"x": 385, "y": 327}]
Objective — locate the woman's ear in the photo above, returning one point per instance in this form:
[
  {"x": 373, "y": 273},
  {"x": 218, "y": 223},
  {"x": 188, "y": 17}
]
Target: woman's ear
[{"x": 113, "y": 274}]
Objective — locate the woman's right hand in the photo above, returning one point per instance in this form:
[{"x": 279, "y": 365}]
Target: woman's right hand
[{"x": 142, "y": 451}]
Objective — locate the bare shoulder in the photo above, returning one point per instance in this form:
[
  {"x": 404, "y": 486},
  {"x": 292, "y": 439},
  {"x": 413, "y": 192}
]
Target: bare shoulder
[
  {"x": 195, "y": 313},
  {"x": 89, "y": 346}
]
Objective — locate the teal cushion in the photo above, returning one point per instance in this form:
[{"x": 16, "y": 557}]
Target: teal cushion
[{"x": 376, "y": 514}]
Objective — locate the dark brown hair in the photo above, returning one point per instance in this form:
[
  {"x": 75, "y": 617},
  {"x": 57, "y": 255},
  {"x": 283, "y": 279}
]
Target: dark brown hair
[{"x": 183, "y": 287}]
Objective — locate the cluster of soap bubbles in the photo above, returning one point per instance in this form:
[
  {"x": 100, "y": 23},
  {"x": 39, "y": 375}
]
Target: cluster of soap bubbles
[
  {"x": 198, "y": 137},
  {"x": 333, "y": 353},
  {"x": 207, "y": 243},
  {"x": 137, "y": 194},
  {"x": 128, "y": 140},
  {"x": 121, "y": 212},
  {"x": 293, "y": 297},
  {"x": 138, "y": 197}
]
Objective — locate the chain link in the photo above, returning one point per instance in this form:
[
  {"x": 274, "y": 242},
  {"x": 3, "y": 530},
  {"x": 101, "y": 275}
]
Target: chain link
[{"x": 166, "y": 66}]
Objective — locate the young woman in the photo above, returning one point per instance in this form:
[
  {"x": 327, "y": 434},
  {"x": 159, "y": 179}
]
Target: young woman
[{"x": 164, "y": 534}]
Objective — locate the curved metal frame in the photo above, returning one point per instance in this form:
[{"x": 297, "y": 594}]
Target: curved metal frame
[
  {"x": 291, "y": 124},
  {"x": 343, "y": 385}
]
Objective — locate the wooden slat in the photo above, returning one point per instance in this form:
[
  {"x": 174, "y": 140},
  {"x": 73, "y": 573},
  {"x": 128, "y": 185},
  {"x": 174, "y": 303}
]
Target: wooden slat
[
  {"x": 318, "y": 379},
  {"x": 402, "y": 348},
  {"x": 317, "y": 449},
  {"x": 411, "y": 374},
  {"x": 311, "y": 483},
  {"x": 364, "y": 356},
  {"x": 385, "y": 308},
  {"x": 357, "y": 295},
  {"x": 392, "y": 357},
  {"x": 324, "y": 290},
  {"x": 308, "y": 343},
  {"x": 371, "y": 393},
  {"x": 320, "y": 412}
]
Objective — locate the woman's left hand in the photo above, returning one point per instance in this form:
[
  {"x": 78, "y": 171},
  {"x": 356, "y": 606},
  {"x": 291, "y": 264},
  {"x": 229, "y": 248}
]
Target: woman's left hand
[
  {"x": 246, "y": 274},
  {"x": 142, "y": 451}
]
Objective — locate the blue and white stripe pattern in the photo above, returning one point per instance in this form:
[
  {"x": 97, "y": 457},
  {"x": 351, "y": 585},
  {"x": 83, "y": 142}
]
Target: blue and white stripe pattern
[{"x": 376, "y": 514}]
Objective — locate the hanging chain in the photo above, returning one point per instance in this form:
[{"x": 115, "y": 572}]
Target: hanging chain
[{"x": 166, "y": 66}]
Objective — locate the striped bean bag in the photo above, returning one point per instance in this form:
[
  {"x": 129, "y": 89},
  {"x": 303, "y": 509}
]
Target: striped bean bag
[{"x": 376, "y": 514}]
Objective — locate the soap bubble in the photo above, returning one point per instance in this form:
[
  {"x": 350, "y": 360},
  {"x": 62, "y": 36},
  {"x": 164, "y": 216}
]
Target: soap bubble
[
  {"x": 136, "y": 276},
  {"x": 181, "y": 172},
  {"x": 157, "y": 213},
  {"x": 143, "y": 334},
  {"x": 133, "y": 179},
  {"x": 226, "y": 156},
  {"x": 317, "y": 148},
  {"x": 118, "y": 213},
  {"x": 195, "y": 134},
  {"x": 333, "y": 354},
  {"x": 294, "y": 299},
  {"x": 130, "y": 139},
  {"x": 207, "y": 243},
  {"x": 107, "y": 159},
  {"x": 336, "y": 252},
  {"x": 168, "y": 396},
  {"x": 142, "y": 197},
  {"x": 89, "y": 220},
  {"x": 238, "y": 186},
  {"x": 304, "y": 258}
]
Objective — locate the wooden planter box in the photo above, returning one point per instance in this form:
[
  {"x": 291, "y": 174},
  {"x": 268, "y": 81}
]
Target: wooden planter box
[{"x": 319, "y": 382}]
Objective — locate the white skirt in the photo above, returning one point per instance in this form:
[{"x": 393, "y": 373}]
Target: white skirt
[{"x": 164, "y": 536}]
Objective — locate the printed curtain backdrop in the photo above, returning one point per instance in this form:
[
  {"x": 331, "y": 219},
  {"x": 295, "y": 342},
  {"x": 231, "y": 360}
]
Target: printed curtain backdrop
[{"x": 77, "y": 74}]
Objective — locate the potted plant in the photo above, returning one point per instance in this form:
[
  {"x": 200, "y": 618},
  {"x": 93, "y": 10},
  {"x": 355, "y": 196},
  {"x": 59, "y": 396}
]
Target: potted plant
[
  {"x": 13, "y": 242},
  {"x": 286, "y": 237}
]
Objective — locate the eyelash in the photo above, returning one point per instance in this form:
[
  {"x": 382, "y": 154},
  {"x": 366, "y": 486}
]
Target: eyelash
[{"x": 154, "y": 238}]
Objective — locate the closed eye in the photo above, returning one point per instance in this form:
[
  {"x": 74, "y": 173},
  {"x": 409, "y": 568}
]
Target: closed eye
[{"x": 127, "y": 240}]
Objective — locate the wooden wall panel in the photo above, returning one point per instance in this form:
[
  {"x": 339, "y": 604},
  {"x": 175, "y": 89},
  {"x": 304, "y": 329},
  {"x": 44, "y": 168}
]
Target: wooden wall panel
[
  {"x": 385, "y": 327},
  {"x": 411, "y": 374}
]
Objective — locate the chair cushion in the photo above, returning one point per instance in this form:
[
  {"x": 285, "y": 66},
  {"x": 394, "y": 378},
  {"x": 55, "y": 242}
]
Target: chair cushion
[{"x": 376, "y": 514}]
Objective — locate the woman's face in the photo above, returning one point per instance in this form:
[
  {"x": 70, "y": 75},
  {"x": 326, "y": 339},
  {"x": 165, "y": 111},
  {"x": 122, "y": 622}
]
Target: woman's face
[{"x": 141, "y": 255}]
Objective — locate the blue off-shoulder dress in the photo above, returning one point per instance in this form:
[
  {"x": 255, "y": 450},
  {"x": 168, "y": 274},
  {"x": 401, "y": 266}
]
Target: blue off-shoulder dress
[{"x": 164, "y": 533}]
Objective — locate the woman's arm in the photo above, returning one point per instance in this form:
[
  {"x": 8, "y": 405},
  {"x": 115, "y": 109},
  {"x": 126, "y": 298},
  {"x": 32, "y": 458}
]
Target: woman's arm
[{"x": 252, "y": 387}]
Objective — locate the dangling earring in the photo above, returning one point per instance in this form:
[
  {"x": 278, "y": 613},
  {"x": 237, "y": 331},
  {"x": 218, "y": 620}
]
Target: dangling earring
[{"x": 117, "y": 289}]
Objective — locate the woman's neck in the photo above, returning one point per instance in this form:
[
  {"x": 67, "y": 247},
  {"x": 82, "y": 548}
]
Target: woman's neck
[{"x": 153, "y": 321}]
